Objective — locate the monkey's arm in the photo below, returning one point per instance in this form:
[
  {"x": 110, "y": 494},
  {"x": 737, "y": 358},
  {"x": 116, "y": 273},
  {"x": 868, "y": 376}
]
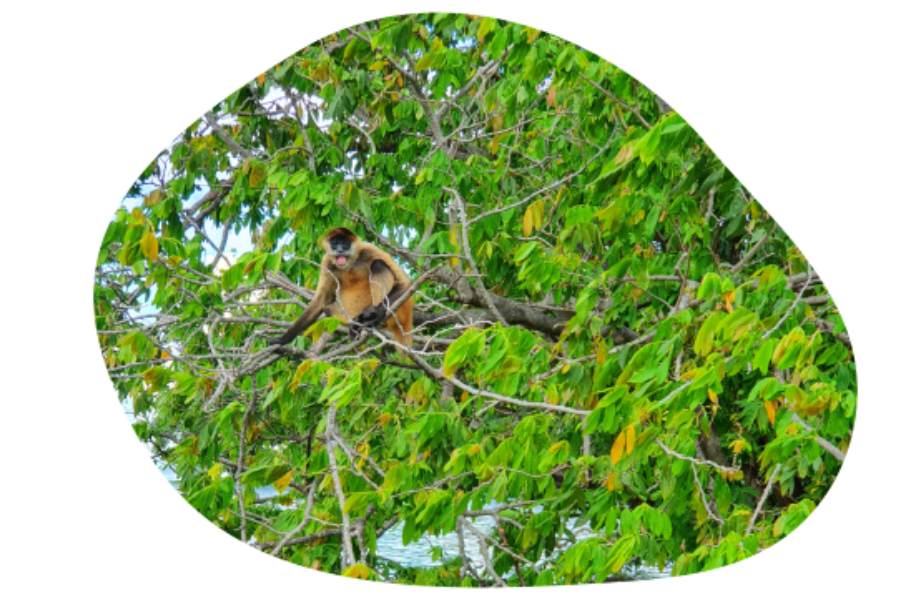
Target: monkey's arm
[
  {"x": 387, "y": 287},
  {"x": 325, "y": 290}
]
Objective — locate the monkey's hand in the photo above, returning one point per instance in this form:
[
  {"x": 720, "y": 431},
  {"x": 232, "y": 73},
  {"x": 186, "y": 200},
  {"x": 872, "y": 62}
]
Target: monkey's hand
[{"x": 372, "y": 316}]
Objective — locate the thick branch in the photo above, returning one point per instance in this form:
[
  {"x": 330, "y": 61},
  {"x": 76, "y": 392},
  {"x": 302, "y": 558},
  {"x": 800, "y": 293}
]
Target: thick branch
[{"x": 550, "y": 322}]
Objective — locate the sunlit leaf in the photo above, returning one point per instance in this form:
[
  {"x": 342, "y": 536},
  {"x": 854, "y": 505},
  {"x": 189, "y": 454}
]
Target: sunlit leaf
[{"x": 615, "y": 453}]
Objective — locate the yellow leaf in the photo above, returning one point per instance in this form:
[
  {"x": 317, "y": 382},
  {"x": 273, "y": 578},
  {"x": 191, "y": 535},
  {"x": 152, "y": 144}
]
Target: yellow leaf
[
  {"x": 301, "y": 370},
  {"x": 714, "y": 400},
  {"x": 625, "y": 154},
  {"x": 149, "y": 245},
  {"x": 260, "y": 79},
  {"x": 601, "y": 351},
  {"x": 417, "y": 393},
  {"x": 611, "y": 482},
  {"x": 566, "y": 368},
  {"x": 485, "y": 26},
  {"x": 732, "y": 475},
  {"x": 618, "y": 446},
  {"x": 770, "y": 411},
  {"x": 738, "y": 445},
  {"x": 494, "y": 145},
  {"x": 532, "y": 34},
  {"x": 153, "y": 198},
  {"x": 358, "y": 571},
  {"x": 551, "y": 96},
  {"x": 257, "y": 174},
  {"x": 552, "y": 394},
  {"x": 689, "y": 374},
  {"x": 285, "y": 480},
  {"x": 214, "y": 471},
  {"x": 528, "y": 221},
  {"x": 384, "y": 419},
  {"x": 728, "y": 297},
  {"x": 629, "y": 439},
  {"x": 363, "y": 449},
  {"x": 537, "y": 213},
  {"x": 635, "y": 293},
  {"x": 473, "y": 449}
]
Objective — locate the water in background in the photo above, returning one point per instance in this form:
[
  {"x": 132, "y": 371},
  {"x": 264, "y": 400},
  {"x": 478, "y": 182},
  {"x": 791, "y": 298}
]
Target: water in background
[{"x": 419, "y": 553}]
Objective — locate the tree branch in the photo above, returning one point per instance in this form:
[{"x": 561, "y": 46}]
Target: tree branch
[
  {"x": 347, "y": 556},
  {"x": 762, "y": 499}
]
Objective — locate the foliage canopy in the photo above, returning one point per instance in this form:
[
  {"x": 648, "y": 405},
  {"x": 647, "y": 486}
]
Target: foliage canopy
[{"x": 619, "y": 356}]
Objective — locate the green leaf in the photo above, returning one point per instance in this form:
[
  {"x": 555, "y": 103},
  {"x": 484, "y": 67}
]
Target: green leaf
[
  {"x": 792, "y": 517},
  {"x": 485, "y": 26},
  {"x": 710, "y": 286},
  {"x": 764, "y": 355},
  {"x": 620, "y": 553},
  {"x": 703, "y": 343},
  {"x": 468, "y": 345}
]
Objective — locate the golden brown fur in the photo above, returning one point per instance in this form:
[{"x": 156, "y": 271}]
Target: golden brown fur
[{"x": 357, "y": 283}]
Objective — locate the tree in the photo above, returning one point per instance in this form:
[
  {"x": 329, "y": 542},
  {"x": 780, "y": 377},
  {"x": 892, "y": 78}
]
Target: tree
[{"x": 619, "y": 357}]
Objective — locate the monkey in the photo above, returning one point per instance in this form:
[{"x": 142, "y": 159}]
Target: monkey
[{"x": 357, "y": 283}]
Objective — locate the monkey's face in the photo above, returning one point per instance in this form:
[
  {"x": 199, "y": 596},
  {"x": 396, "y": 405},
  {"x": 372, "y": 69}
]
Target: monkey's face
[{"x": 341, "y": 251}]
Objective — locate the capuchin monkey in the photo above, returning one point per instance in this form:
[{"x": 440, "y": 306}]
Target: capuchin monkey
[{"x": 358, "y": 282}]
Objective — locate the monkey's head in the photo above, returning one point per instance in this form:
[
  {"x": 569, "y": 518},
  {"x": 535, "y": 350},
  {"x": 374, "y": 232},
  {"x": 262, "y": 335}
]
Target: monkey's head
[{"x": 340, "y": 246}]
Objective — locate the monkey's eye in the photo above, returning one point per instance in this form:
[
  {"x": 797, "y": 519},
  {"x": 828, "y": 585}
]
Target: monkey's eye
[{"x": 340, "y": 244}]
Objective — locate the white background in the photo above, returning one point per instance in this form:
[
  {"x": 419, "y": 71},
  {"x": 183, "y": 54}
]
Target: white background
[{"x": 799, "y": 99}]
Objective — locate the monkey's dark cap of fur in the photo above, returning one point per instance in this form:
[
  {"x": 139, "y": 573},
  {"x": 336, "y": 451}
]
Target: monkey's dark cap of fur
[{"x": 340, "y": 231}]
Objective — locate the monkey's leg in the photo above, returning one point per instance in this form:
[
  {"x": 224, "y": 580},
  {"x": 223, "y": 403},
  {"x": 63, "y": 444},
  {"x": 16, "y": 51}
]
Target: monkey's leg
[
  {"x": 383, "y": 289},
  {"x": 400, "y": 324}
]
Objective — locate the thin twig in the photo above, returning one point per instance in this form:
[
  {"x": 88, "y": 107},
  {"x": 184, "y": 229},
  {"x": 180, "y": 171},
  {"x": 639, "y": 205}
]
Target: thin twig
[
  {"x": 238, "y": 487},
  {"x": 547, "y": 188},
  {"x": 467, "y": 252},
  {"x": 762, "y": 499},
  {"x": 709, "y": 509},
  {"x": 303, "y": 523},
  {"x": 223, "y": 135},
  {"x": 632, "y": 109},
  {"x": 790, "y": 309},
  {"x": 822, "y": 442},
  {"x": 750, "y": 253},
  {"x": 347, "y": 556},
  {"x": 696, "y": 461}
]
